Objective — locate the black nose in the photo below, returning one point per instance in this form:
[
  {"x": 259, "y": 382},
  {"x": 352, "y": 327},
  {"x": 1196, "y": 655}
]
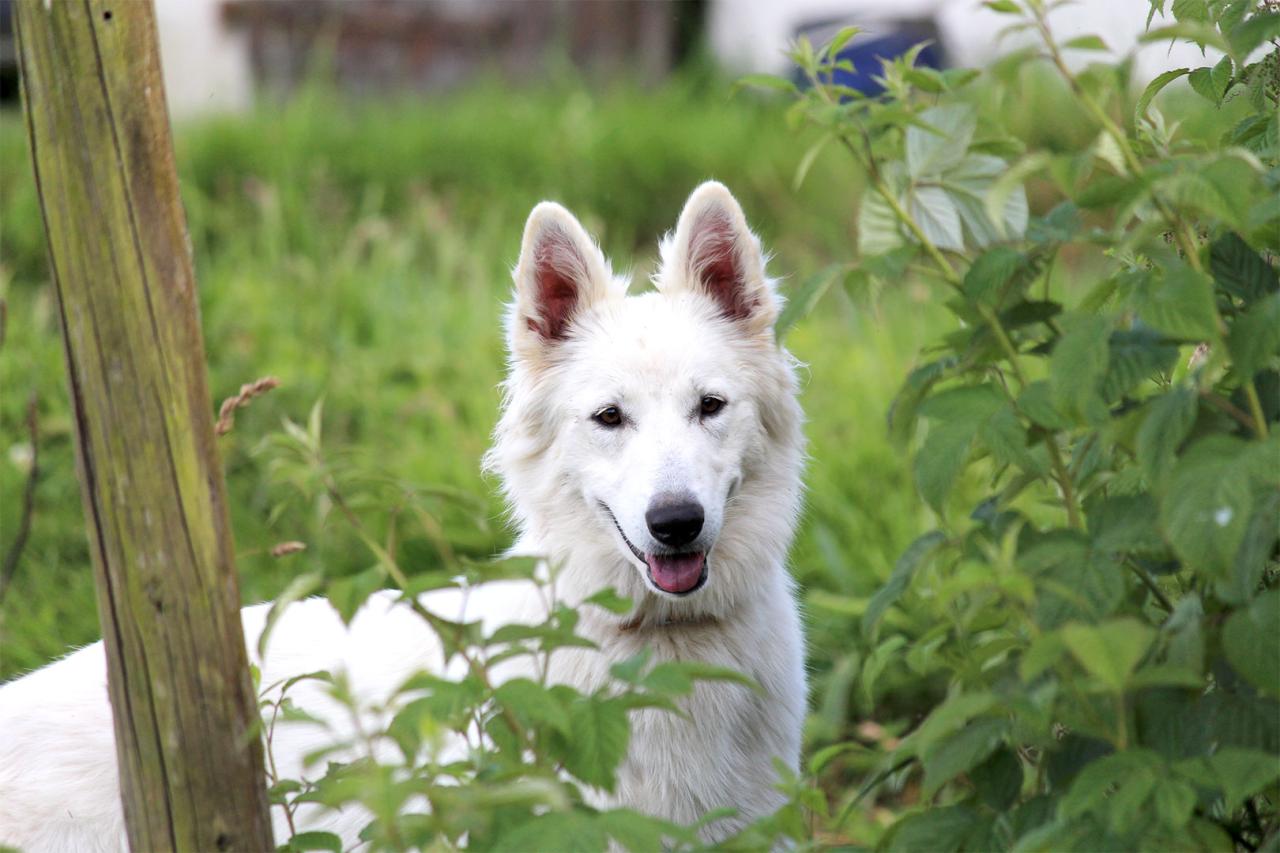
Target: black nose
[{"x": 675, "y": 523}]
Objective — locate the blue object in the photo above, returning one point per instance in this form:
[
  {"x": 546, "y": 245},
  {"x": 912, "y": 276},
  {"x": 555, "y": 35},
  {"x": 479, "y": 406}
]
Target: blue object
[{"x": 865, "y": 52}]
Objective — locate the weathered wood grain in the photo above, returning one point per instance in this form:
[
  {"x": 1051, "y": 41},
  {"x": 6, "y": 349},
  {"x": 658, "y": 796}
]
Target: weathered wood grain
[{"x": 181, "y": 694}]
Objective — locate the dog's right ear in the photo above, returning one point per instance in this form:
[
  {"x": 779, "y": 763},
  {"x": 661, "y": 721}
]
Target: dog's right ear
[{"x": 561, "y": 271}]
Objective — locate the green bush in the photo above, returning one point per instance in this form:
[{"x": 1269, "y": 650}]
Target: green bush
[
  {"x": 468, "y": 759},
  {"x": 1097, "y": 603}
]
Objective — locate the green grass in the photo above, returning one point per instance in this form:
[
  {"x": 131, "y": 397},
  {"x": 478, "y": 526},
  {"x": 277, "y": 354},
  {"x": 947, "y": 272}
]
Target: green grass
[{"x": 362, "y": 255}]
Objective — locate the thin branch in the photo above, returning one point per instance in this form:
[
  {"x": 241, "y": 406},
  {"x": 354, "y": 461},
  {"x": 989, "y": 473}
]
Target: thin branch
[
  {"x": 1255, "y": 408},
  {"x": 1225, "y": 405},
  {"x": 14, "y": 554},
  {"x": 1150, "y": 584}
]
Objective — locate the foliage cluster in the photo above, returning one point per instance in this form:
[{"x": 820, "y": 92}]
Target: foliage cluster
[
  {"x": 362, "y": 252},
  {"x": 470, "y": 756},
  {"x": 1080, "y": 649},
  {"x": 1099, "y": 595}
]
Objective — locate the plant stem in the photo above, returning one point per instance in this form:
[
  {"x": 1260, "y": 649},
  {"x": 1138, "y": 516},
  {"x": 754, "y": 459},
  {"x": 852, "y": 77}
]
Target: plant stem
[
  {"x": 1150, "y": 584},
  {"x": 1061, "y": 474},
  {"x": 1181, "y": 231},
  {"x": 1255, "y": 409},
  {"x": 1233, "y": 410}
]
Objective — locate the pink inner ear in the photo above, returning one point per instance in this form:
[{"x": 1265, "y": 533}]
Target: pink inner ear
[
  {"x": 557, "y": 273},
  {"x": 714, "y": 257}
]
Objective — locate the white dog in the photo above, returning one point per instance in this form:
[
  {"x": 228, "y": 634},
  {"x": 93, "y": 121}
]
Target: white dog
[{"x": 651, "y": 443}]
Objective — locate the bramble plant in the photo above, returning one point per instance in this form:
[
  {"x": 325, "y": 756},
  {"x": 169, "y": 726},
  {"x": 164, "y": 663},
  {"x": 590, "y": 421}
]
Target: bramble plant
[
  {"x": 1096, "y": 435},
  {"x": 465, "y": 757}
]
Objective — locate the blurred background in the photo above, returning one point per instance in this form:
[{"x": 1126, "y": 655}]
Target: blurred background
[{"x": 356, "y": 174}]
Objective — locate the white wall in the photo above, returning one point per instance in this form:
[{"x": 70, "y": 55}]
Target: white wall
[{"x": 206, "y": 68}]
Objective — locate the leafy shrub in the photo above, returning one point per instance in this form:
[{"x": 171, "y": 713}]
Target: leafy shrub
[
  {"x": 469, "y": 756},
  {"x": 1095, "y": 434}
]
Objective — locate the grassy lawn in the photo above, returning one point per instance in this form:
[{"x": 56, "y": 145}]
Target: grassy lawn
[{"x": 362, "y": 253}]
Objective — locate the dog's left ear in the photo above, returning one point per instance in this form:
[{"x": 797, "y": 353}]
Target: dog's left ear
[
  {"x": 561, "y": 272},
  {"x": 714, "y": 252}
]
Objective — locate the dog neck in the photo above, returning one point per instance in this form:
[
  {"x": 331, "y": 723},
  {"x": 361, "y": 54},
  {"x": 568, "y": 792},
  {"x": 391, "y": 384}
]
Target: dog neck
[{"x": 693, "y": 620}]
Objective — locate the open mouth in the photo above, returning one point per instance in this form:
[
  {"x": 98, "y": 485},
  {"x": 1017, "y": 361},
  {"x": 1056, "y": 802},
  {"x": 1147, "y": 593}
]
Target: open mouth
[{"x": 676, "y": 573}]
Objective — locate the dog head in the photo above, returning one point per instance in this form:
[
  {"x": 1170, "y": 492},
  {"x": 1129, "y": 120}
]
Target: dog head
[{"x": 653, "y": 439}]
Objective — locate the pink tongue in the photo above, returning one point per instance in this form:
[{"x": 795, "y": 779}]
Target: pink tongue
[{"x": 675, "y": 572}]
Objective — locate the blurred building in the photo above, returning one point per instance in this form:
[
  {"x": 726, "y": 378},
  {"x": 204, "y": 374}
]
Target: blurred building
[{"x": 218, "y": 53}]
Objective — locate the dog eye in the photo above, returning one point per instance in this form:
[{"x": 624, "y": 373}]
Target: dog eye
[
  {"x": 709, "y": 405},
  {"x": 609, "y": 416}
]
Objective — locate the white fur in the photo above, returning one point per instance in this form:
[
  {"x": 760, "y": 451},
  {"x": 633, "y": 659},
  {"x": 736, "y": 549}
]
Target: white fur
[{"x": 652, "y": 355}]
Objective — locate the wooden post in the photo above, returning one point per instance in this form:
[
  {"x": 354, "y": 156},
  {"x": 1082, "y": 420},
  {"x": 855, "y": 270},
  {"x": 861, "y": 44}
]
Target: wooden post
[{"x": 185, "y": 712}]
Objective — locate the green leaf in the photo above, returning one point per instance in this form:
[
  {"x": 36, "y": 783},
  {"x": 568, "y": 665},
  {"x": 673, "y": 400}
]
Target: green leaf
[
  {"x": 878, "y": 228},
  {"x": 1255, "y": 336},
  {"x": 1167, "y": 424},
  {"x": 807, "y": 161},
  {"x": 960, "y": 751},
  {"x": 1206, "y": 85},
  {"x": 1253, "y": 32},
  {"x": 533, "y": 704},
  {"x": 998, "y": 780},
  {"x": 1006, "y": 199},
  {"x": 916, "y": 555},
  {"x": 600, "y": 732},
  {"x": 802, "y": 302},
  {"x": 985, "y": 280},
  {"x": 1124, "y": 523},
  {"x": 314, "y": 840},
  {"x": 1089, "y": 42},
  {"x": 1251, "y": 560},
  {"x": 675, "y": 678},
  {"x": 971, "y": 185},
  {"x": 1249, "y": 640},
  {"x": 1004, "y": 7},
  {"x": 1190, "y": 10},
  {"x": 641, "y": 833},
  {"x": 1135, "y": 355},
  {"x": 1101, "y": 781},
  {"x": 1179, "y": 303},
  {"x": 1206, "y": 506},
  {"x": 937, "y": 216},
  {"x": 1077, "y": 367},
  {"x": 1201, "y": 34},
  {"x": 348, "y": 594},
  {"x": 903, "y": 411},
  {"x": 1111, "y": 651},
  {"x": 942, "y": 830},
  {"x": 298, "y": 589},
  {"x": 1174, "y": 801},
  {"x": 1036, "y": 402},
  {"x": 1184, "y": 635},
  {"x": 610, "y": 600},
  {"x": 1073, "y": 580},
  {"x": 564, "y": 832},
  {"x": 1154, "y": 87},
  {"x": 1221, "y": 75},
  {"x": 1241, "y": 773},
  {"x": 940, "y": 140},
  {"x": 1044, "y": 651},
  {"x": 631, "y": 670},
  {"x": 1240, "y": 270},
  {"x": 840, "y": 39},
  {"x": 1006, "y": 438},
  {"x": 765, "y": 81},
  {"x": 956, "y": 416}
]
